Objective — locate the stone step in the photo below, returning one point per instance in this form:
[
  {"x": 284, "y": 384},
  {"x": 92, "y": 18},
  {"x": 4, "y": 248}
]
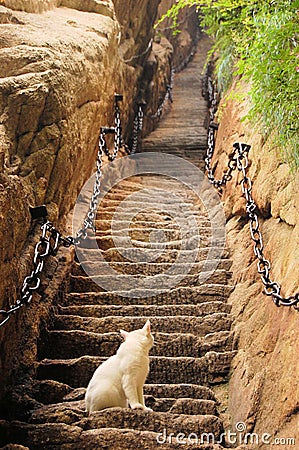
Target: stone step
[
  {"x": 74, "y": 414},
  {"x": 212, "y": 368},
  {"x": 188, "y": 406},
  {"x": 182, "y": 390},
  {"x": 194, "y": 242},
  {"x": 59, "y": 436},
  {"x": 196, "y": 140},
  {"x": 160, "y": 282},
  {"x": 103, "y": 225},
  {"x": 180, "y": 295},
  {"x": 150, "y": 268},
  {"x": 74, "y": 411},
  {"x": 50, "y": 391},
  {"x": 144, "y": 215},
  {"x": 151, "y": 204},
  {"x": 141, "y": 199},
  {"x": 152, "y": 234},
  {"x": 99, "y": 311},
  {"x": 78, "y": 343},
  {"x": 153, "y": 421},
  {"x": 125, "y": 254},
  {"x": 170, "y": 324}
]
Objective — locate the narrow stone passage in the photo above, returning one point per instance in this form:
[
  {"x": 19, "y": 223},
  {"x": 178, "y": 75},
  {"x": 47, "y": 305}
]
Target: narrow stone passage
[{"x": 190, "y": 319}]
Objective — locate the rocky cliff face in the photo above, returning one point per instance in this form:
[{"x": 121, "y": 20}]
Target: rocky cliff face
[
  {"x": 185, "y": 40},
  {"x": 263, "y": 388}
]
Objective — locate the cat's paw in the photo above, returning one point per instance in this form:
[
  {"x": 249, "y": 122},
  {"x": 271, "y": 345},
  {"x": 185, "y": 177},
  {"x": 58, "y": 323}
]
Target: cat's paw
[
  {"x": 140, "y": 406},
  {"x": 137, "y": 406},
  {"x": 146, "y": 408}
]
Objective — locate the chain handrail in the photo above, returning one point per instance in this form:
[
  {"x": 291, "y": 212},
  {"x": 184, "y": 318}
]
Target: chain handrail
[
  {"x": 51, "y": 238},
  {"x": 238, "y": 159},
  {"x": 167, "y": 96},
  {"x": 48, "y": 244},
  {"x": 137, "y": 130}
]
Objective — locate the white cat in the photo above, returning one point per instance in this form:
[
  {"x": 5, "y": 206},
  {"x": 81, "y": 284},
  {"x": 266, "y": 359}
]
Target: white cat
[{"x": 120, "y": 379}]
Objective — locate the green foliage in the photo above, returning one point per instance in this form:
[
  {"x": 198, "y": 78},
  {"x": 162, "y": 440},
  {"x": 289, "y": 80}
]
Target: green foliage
[{"x": 258, "y": 40}]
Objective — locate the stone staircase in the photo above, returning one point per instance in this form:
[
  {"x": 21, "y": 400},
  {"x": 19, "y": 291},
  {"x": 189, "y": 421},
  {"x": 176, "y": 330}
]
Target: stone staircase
[{"x": 191, "y": 321}]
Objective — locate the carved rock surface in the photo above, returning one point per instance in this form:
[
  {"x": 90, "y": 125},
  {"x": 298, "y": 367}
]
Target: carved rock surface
[{"x": 263, "y": 388}]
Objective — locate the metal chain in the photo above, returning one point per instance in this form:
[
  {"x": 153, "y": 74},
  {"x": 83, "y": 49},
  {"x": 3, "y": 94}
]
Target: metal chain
[
  {"x": 239, "y": 159},
  {"x": 91, "y": 214},
  {"x": 232, "y": 163},
  {"x": 116, "y": 131},
  {"x": 47, "y": 245},
  {"x": 271, "y": 288},
  {"x": 137, "y": 130},
  {"x": 168, "y": 96}
]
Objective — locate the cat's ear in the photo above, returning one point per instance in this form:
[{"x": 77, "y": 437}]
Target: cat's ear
[
  {"x": 124, "y": 334},
  {"x": 147, "y": 328}
]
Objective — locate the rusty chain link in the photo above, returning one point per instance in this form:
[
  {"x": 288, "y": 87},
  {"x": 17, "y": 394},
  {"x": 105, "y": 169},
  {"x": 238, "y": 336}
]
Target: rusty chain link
[{"x": 238, "y": 159}]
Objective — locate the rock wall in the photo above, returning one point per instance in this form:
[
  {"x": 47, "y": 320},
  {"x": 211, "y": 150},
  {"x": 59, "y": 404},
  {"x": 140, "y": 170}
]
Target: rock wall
[
  {"x": 136, "y": 28},
  {"x": 59, "y": 71},
  {"x": 39, "y": 6},
  {"x": 264, "y": 382},
  {"x": 185, "y": 41}
]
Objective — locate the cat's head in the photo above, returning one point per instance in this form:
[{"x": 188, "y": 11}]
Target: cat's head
[{"x": 143, "y": 335}]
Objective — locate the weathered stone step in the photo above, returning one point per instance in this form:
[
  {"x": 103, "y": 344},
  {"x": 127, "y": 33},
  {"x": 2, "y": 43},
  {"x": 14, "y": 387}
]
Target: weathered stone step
[
  {"x": 125, "y": 254},
  {"x": 150, "y": 268},
  {"x": 100, "y": 283},
  {"x": 74, "y": 411},
  {"x": 213, "y": 368},
  {"x": 197, "y": 139},
  {"x": 50, "y": 391},
  {"x": 101, "y": 224},
  {"x": 150, "y": 203},
  {"x": 150, "y": 215},
  {"x": 153, "y": 421},
  {"x": 171, "y": 278},
  {"x": 77, "y": 343},
  {"x": 170, "y": 324},
  {"x": 99, "y": 311},
  {"x": 180, "y": 295},
  {"x": 187, "y": 243},
  {"x": 188, "y": 406},
  {"x": 59, "y": 436},
  {"x": 182, "y": 390},
  {"x": 74, "y": 414},
  {"x": 152, "y": 234},
  {"x": 125, "y": 211}
]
